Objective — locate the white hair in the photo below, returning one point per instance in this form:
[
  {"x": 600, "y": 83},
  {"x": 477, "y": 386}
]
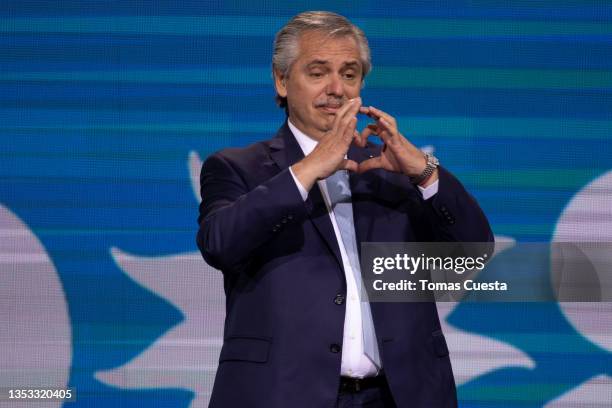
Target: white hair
[{"x": 286, "y": 42}]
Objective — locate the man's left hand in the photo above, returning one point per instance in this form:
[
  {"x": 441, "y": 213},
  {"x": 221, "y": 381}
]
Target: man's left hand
[{"x": 398, "y": 154}]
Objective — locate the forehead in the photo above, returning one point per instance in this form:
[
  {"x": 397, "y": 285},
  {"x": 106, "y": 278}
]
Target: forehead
[{"x": 316, "y": 46}]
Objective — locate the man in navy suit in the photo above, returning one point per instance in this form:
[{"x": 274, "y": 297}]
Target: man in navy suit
[{"x": 298, "y": 333}]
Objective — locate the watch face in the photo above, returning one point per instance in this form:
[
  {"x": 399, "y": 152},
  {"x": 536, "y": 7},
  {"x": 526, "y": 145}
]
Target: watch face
[{"x": 434, "y": 160}]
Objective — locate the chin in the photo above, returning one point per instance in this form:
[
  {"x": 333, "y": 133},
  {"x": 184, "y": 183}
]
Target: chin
[{"x": 329, "y": 125}]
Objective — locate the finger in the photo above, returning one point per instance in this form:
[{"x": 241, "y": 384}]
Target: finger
[
  {"x": 370, "y": 164},
  {"x": 381, "y": 114},
  {"x": 365, "y": 133},
  {"x": 379, "y": 130},
  {"x": 340, "y": 115},
  {"x": 387, "y": 132},
  {"x": 345, "y": 127},
  {"x": 350, "y": 165},
  {"x": 349, "y": 131},
  {"x": 368, "y": 110},
  {"x": 357, "y": 139},
  {"x": 376, "y": 130},
  {"x": 351, "y": 107},
  {"x": 382, "y": 118},
  {"x": 361, "y": 139},
  {"x": 386, "y": 126}
]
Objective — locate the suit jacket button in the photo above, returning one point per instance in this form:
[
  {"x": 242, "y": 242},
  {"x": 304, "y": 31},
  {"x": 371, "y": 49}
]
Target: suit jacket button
[
  {"x": 339, "y": 299},
  {"x": 335, "y": 348}
]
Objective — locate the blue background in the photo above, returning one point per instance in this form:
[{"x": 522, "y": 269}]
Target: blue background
[{"x": 102, "y": 101}]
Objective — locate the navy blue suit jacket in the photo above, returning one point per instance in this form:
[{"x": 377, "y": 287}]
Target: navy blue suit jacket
[{"x": 284, "y": 281}]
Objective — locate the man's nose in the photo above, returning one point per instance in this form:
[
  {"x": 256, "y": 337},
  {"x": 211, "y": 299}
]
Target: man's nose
[{"x": 335, "y": 86}]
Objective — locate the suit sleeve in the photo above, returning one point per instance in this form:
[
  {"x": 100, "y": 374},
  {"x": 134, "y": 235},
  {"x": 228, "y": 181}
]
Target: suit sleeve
[
  {"x": 235, "y": 220},
  {"x": 454, "y": 213}
]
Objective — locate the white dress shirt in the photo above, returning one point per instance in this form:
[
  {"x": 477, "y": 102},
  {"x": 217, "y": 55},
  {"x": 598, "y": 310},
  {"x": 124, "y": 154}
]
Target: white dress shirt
[{"x": 355, "y": 363}]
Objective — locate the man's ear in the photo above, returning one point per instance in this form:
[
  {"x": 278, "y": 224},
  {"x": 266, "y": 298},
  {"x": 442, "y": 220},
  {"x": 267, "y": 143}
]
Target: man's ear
[{"x": 280, "y": 83}]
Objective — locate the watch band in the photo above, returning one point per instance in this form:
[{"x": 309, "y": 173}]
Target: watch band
[{"x": 430, "y": 167}]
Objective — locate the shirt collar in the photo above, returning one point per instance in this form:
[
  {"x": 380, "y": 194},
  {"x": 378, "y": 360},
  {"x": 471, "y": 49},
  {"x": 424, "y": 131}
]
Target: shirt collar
[{"x": 306, "y": 142}]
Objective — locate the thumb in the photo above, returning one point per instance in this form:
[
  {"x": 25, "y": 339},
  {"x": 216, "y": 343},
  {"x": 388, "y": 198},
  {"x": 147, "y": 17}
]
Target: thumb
[
  {"x": 350, "y": 165},
  {"x": 370, "y": 164}
]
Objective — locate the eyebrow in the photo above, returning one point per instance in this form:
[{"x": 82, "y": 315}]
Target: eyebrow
[{"x": 350, "y": 64}]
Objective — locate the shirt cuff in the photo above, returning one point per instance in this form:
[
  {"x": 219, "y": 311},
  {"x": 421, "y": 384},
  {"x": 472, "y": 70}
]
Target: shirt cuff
[
  {"x": 427, "y": 192},
  {"x": 304, "y": 193}
]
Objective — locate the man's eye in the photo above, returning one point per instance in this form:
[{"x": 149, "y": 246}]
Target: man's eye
[
  {"x": 349, "y": 76},
  {"x": 316, "y": 74}
]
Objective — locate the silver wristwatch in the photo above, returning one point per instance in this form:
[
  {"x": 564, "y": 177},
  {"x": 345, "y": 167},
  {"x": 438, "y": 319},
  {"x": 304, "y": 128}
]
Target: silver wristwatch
[{"x": 432, "y": 164}]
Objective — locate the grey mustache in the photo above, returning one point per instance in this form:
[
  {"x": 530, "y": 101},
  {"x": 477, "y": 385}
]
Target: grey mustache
[{"x": 329, "y": 104}]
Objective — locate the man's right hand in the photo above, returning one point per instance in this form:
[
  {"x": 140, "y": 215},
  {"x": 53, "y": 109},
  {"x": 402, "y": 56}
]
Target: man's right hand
[{"x": 329, "y": 155}]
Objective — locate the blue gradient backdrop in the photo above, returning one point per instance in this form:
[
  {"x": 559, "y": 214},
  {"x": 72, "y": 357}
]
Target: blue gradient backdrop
[{"x": 102, "y": 101}]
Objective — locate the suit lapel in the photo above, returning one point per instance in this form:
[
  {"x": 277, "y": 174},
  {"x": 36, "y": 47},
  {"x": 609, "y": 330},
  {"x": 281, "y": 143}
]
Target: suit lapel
[{"x": 285, "y": 151}]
